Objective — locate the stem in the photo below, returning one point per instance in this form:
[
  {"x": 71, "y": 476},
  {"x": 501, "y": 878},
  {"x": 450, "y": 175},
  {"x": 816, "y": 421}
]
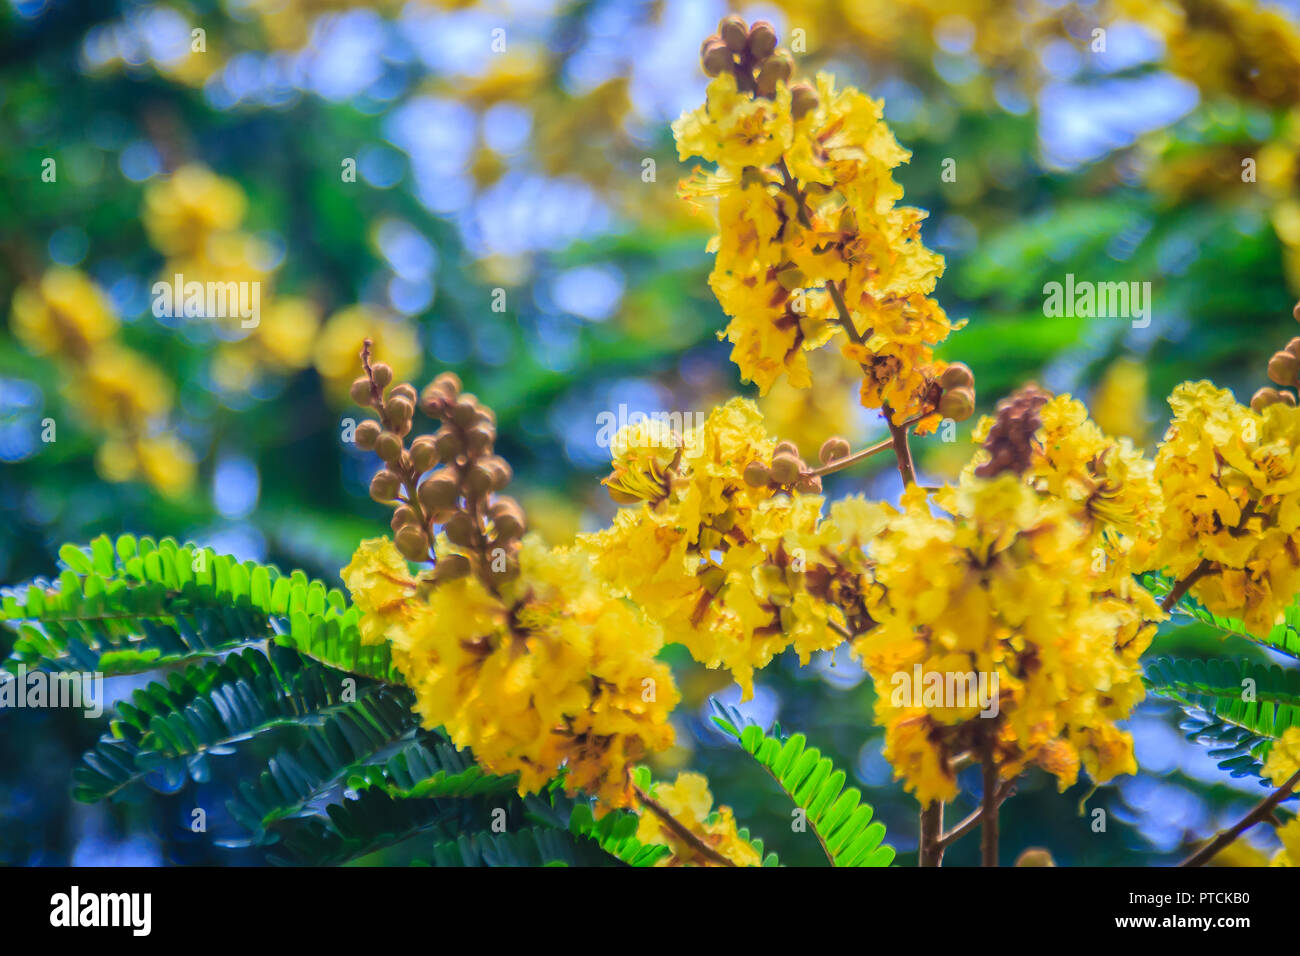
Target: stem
[
  {"x": 841, "y": 463},
  {"x": 989, "y": 827},
  {"x": 1261, "y": 812},
  {"x": 930, "y": 852},
  {"x": 680, "y": 829},
  {"x": 1185, "y": 585},
  {"x": 902, "y": 452},
  {"x": 972, "y": 820}
]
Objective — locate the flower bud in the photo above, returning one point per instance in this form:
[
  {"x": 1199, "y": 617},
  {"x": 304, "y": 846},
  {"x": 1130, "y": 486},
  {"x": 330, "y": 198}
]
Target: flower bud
[
  {"x": 716, "y": 58},
  {"x": 413, "y": 543},
  {"x": 465, "y": 412},
  {"x": 1287, "y": 398},
  {"x": 762, "y": 40},
  {"x": 957, "y": 404},
  {"x": 479, "y": 439},
  {"x": 956, "y": 375},
  {"x": 1263, "y": 398},
  {"x": 404, "y": 515},
  {"x": 785, "y": 469},
  {"x": 833, "y": 449},
  {"x": 399, "y": 409},
  {"x": 450, "y": 567},
  {"x": 1294, "y": 346},
  {"x": 757, "y": 474},
  {"x": 388, "y": 447},
  {"x": 360, "y": 392},
  {"x": 786, "y": 448},
  {"x": 439, "y": 491},
  {"x": 384, "y": 486},
  {"x": 449, "y": 382},
  {"x": 1295, "y": 312},
  {"x": 406, "y": 390},
  {"x": 383, "y": 375},
  {"x": 507, "y": 518},
  {"x": 733, "y": 32},
  {"x": 434, "y": 400},
  {"x": 424, "y": 453},
  {"x": 479, "y": 480},
  {"x": 777, "y": 68},
  {"x": 366, "y": 434},
  {"x": 460, "y": 529},
  {"x": 500, "y": 469},
  {"x": 803, "y": 100},
  {"x": 809, "y": 485},
  {"x": 1282, "y": 368},
  {"x": 447, "y": 441}
]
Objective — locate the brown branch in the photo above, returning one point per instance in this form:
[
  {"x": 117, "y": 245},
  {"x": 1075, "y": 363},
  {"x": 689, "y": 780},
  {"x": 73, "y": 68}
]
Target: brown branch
[
  {"x": 842, "y": 463},
  {"x": 989, "y": 801},
  {"x": 898, "y": 435},
  {"x": 972, "y": 820},
  {"x": 1185, "y": 585},
  {"x": 680, "y": 829},
  {"x": 930, "y": 851},
  {"x": 1262, "y": 811}
]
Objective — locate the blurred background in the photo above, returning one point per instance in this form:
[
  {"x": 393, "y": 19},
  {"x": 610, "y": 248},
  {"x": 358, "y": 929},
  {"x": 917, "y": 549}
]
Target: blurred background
[{"x": 491, "y": 188}]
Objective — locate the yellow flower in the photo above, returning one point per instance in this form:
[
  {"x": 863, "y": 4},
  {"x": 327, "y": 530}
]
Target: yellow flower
[
  {"x": 553, "y": 672},
  {"x": 1231, "y": 499},
  {"x": 1283, "y": 757},
  {"x": 734, "y": 129},
  {"x": 182, "y": 211},
  {"x": 1002, "y": 595},
  {"x": 1289, "y": 854},
  {"x": 65, "y": 313},
  {"x": 690, "y": 803}
]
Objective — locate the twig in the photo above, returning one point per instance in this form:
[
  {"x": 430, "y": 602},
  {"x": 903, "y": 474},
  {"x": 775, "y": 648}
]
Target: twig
[
  {"x": 930, "y": 852},
  {"x": 989, "y": 801},
  {"x": 972, "y": 820},
  {"x": 898, "y": 435},
  {"x": 680, "y": 829},
  {"x": 1185, "y": 585},
  {"x": 841, "y": 463},
  {"x": 1261, "y": 812}
]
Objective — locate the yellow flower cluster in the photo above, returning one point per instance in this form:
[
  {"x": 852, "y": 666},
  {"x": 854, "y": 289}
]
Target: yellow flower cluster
[
  {"x": 811, "y": 240},
  {"x": 1001, "y": 590},
  {"x": 705, "y": 552},
  {"x": 194, "y": 218},
  {"x": 114, "y": 389},
  {"x": 549, "y": 671},
  {"x": 1283, "y": 761},
  {"x": 1230, "y": 515},
  {"x": 690, "y": 804}
]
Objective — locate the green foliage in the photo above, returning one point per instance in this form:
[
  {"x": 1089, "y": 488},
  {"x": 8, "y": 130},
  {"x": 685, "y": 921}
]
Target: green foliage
[
  {"x": 838, "y": 817},
  {"x": 1283, "y": 638},
  {"x": 1237, "y": 708},
  {"x": 138, "y": 604}
]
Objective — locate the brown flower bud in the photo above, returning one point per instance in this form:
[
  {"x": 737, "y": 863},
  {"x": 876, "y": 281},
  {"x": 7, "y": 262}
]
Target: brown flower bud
[
  {"x": 786, "y": 448},
  {"x": 449, "y": 382},
  {"x": 762, "y": 40},
  {"x": 460, "y": 529},
  {"x": 733, "y": 32},
  {"x": 360, "y": 392},
  {"x": 383, "y": 375},
  {"x": 384, "y": 486},
  {"x": 833, "y": 449},
  {"x": 716, "y": 58},
  {"x": 785, "y": 469},
  {"x": 440, "y": 490},
  {"x": 777, "y": 68},
  {"x": 809, "y": 485},
  {"x": 434, "y": 400},
  {"x": 957, "y": 404},
  {"x": 479, "y": 439},
  {"x": 412, "y": 542},
  {"x": 447, "y": 441},
  {"x": 1282, "y": 368},
  {"x": 507, "y": 518},
  {"x": 366, "y": 434},
  {"x": 1263, "y": 398},
  {"x": 424, "y": 453},
  {"x": 450, "y": 567},
  {"x": 1287, "y": 398},
  {"x": 388, "y": 447},
  {"x": 503, "y": 568},
  {"x": 1035, "y": 856},
  {"x": 957, "y": 375},
  {"x": 465, "y": 412},
  {"x": 479, "y": 480},
  {"x": 803, "y": 100},
  {"x": 500, "y": 469},
  {"x": 1295, "y": 312},
  {"x": 406, "y": 390},
  {"x": 757, "y": 474},
  {"x": 404, "y": 514}
]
